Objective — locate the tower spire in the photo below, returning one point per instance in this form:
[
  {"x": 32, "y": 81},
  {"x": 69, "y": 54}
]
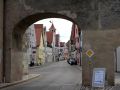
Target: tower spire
[{"x": 52, "y": 28}]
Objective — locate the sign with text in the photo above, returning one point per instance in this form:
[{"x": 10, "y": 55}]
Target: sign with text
[{"x": 98, "y": 78}]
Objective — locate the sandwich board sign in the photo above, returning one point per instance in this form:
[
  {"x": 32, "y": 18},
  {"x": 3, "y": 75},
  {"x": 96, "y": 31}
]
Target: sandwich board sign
[{"x": 98, "y": 78}]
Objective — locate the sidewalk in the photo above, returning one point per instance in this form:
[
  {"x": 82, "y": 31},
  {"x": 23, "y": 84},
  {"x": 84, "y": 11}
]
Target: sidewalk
[{"x": 25, "y": 79}]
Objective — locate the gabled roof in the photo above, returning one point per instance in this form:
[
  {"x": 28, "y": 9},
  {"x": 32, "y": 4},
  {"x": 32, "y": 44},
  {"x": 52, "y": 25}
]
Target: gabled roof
[
  {"x": 49, "y": 37},
  {"x": 38, "y": 32},
  {"x": 52, "y": 28}
]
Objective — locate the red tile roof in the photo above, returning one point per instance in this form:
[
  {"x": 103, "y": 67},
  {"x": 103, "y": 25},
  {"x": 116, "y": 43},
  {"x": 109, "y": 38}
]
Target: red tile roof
[
  {"x": 49, "y": 37},
  {"x": 38, "y": 32}
]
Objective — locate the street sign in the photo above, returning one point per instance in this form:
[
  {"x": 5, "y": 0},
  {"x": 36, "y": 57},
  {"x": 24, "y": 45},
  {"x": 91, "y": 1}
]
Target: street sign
[{"x": 90, "y": 53}]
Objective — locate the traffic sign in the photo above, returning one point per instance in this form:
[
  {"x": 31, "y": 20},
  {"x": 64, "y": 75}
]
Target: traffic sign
[{"x": 90, "y": 53}]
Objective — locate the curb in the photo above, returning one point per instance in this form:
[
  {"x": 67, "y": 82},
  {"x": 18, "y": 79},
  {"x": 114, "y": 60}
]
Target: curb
[
  {"x": 18, "y": 82},
  {"x": 78, "y": 67}
]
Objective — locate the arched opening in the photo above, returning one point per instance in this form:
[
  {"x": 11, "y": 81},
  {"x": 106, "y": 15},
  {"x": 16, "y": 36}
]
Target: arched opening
[
  {"x": 21, "y": 26},
  {"x": 97, "y": 14},
  {"x": 17, "y": 38}
]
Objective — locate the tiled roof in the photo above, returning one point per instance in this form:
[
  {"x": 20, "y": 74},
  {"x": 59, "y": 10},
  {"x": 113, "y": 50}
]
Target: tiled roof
[
  {"x": 49, "y": 37},
  {"x": 38, "y": 32}
]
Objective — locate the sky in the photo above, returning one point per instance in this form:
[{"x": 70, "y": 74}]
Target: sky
[{"x": 63, "y": 27}]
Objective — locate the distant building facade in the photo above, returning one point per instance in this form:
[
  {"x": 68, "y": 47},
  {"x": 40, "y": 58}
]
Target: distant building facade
[
  {"x": 31, "y": 43},
  {"x": 29, "y": 48},
  {"x": 57, "y": 47},
  {"x": 40, "y": 45},
  {"x": 74, "y": 44},
  {"x": 51, "y": 39},
  {"x": 62, "y": 49}
]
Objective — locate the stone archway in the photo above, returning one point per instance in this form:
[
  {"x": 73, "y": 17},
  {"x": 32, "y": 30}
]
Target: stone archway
[
  {"x": 91, "y": 15},
  {"x": 15, "y": 71}
]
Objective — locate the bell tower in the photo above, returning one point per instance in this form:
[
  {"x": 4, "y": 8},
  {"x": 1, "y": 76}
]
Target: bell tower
[{"x": 52, "y": 28}]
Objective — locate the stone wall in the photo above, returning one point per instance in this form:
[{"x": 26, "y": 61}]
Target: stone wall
[
  {"x": 89, "y": 14},
  {"x": 17, "y": 66},
  {"x": 103, "y": 43},
  {"x": 109, "y": 14}
]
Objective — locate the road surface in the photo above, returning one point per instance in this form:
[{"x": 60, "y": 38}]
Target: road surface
[{"x": 56, "y": 76}]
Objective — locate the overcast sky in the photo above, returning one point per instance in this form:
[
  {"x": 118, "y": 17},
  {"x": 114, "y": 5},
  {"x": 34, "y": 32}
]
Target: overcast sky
[{"x": 63, "y": 27}]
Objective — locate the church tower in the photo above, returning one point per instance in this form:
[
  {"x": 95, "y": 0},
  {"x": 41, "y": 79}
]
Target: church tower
[{"x": 52, "y": 28}]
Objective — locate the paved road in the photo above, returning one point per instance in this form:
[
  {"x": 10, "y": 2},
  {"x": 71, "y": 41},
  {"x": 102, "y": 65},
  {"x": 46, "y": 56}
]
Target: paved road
[{"x": 57, "y": 76}]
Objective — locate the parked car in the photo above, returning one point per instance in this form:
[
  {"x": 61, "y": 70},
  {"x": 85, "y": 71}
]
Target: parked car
[{"x": 72, "y": 61}]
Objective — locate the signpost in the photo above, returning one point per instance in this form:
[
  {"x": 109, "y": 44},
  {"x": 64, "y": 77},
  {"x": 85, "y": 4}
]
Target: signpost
[{"x": 98, "y": 78}]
